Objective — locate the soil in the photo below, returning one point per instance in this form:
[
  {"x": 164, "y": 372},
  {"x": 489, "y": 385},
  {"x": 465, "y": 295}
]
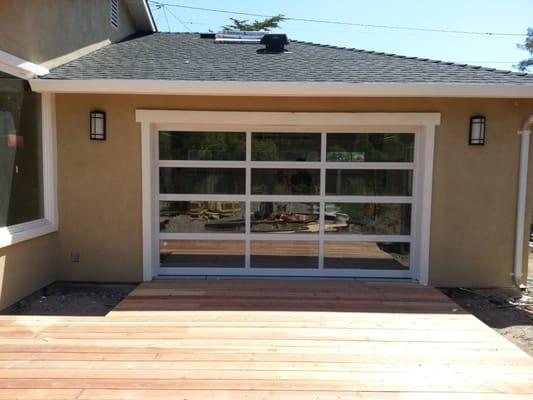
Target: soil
[
  {"x": 507, "y": 311},
  {"x": 71, "y": 299}
]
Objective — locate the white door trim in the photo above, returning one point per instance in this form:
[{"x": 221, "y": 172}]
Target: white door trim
[{"x": 423, "y": 124}]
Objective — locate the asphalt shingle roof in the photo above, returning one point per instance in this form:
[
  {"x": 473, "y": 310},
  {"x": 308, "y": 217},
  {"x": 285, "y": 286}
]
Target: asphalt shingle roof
[{"x": 187, "y": 57}]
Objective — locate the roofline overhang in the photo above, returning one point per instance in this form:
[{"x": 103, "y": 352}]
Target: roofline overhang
[
  {"x": 19, "y": 67},
  {"x": 141, "y": 15},
  {"x": 293, "y": 89}
]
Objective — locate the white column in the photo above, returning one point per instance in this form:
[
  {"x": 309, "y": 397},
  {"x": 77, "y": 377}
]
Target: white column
[
  {"x": 521, "y": 205},
  {"x": 426, "y": 171},
  {"x": 147, "y": 193}
]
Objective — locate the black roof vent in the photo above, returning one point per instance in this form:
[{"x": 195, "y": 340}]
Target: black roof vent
[
  {"x": 208, "y": 35},
  {"x": 274, "y": 43}
]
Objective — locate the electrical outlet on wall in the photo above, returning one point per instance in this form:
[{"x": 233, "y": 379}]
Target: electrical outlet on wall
[{"x": 75, "y": 257}]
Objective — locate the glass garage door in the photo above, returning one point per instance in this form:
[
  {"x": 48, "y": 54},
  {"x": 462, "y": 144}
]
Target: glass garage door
[{"x": 286, "y": 203}]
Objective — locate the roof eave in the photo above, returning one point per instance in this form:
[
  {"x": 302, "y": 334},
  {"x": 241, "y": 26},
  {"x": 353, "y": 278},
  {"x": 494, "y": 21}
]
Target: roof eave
[
  {"x": 294, "y": 89},
  {"x": 141, "y": 15}
]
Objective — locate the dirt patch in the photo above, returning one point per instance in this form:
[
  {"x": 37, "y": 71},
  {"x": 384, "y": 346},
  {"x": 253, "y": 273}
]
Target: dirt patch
[
  {"x": 510, "y": 315},
  {"x": 508, "y": 312},
  {"x": 71, "y": 299}
]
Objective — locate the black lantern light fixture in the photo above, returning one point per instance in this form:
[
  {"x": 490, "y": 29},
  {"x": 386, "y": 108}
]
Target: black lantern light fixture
[
  {"x": 477, "y": 130},
  {"x": 98, "y": 125}
]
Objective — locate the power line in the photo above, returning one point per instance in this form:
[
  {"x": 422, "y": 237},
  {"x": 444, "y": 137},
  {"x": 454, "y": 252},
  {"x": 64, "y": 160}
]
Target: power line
[
  {"x": 179, "y": 20},
  {"x": 166, "y": 17},
  {"x": 331, "y": 22}
]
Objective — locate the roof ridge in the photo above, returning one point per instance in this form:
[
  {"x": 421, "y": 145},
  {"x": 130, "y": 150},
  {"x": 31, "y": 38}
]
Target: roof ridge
[{"x": 382, "y": 53}]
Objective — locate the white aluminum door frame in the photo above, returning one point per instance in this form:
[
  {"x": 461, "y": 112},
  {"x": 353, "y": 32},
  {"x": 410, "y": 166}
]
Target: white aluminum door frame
[{"x": 422, "y": 124}]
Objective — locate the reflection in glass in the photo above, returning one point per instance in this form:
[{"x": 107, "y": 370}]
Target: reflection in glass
[
  {"x": 230, "y": 146},
  {"x": 286, "y": 181},
  {"x": 201, "y": 180},
  {"x": 368, "y": 218},
  {"x": 21, "y": 177},
  {"x": 366, "y": 255},
  {"x": 201, "y": 216},
  {"x": 368, "y": 182},
  {"x": 370, "y": 147},
  {"x": 271, "y": 217},
  {"x": 284, "y": 254},
  {"x": 285, "y": 146},
  {"x": 202, "y": 253}
]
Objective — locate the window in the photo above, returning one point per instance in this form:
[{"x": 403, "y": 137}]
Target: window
[
  {"x": 114, "y": 13},
  {"x": 297, "y": 202},
  {"x": 27, "y": 191},
  {"x": 21, "y": 177}
]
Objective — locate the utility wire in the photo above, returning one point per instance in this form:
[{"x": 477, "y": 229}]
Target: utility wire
[
  {"x": 166, "y": 17},
  {"x": 179, "y": 20},
  {"x": 331, "y": 22}
]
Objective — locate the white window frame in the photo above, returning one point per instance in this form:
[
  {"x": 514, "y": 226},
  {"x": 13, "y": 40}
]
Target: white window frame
[
  {"x": 422, "y": 124},
  {"x": 13, "y": 234}
]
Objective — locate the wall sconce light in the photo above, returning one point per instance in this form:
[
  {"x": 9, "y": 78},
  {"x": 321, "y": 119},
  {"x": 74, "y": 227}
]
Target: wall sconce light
[
  {"x": 98, "y": 125},
  {"x": 477, "y": 130}
]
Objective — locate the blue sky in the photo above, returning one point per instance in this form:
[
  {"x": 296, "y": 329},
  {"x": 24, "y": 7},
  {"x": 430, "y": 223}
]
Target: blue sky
[{"x": 509, "y": 16}]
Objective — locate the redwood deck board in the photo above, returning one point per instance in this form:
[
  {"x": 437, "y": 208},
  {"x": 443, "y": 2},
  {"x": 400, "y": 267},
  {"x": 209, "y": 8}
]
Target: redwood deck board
[{"x": 257, "y": 339}]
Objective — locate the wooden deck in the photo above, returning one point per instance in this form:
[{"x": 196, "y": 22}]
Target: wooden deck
[{"x": 237, "y": 339}]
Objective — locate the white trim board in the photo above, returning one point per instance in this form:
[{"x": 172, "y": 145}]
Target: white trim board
[
  {"x": 423, "y": 124},
  {"x": 19, "y": 67},
  {"x": 49, "y": 223},
  {"x": 312, "y": 89}
]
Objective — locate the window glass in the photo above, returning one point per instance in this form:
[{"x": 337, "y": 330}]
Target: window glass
[
  {"x": 368, "y": 182},
  {"x": 370, "y": 147},
  {"x": 278, "y": 217},
  {"x": 21, "y": 186},
  {"x": 366, "y": 255},
  {"x": 201, "y": 253},
  {"x": 368, "y": 218},
  {"x": 201, "y": 216},
  {"x": 286, "y": 181},
  {"x": 286, "y": 146},
  {"x": 284, "y": 254},
  {"x": 201, "y": 180},
  {"x": 226, "y": 146}
]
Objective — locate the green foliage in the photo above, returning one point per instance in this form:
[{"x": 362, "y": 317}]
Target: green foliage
[
  {"x": 524, "y": 65},
  {"x": 265, "y": 150},
  {"x": 264, "y": 25}
]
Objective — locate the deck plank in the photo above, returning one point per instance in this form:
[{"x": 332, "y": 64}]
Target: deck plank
[{"x": 264, "y": 339}]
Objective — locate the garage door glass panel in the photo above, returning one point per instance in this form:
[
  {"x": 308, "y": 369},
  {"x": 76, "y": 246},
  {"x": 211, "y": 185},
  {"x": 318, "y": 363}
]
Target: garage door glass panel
[
  {"x": 284, "y": 217},
  {"x": 370, "y": 147},
  {"x": 201, "y": 216},
  {"x": 369, "y": 182},
  {"x": 286, "y": 181},
  {"x": 202, "y": 253},
  {"x": 284, "y": 254},
  {"x": 202, "y": 180},
  {"x": 228, "y": 146},
  {"x": 285, "y": 146},
  {"x": 366, "y": 255},
  {"x": 287, "y": 203},
  {"x": 368, "y": 218}
]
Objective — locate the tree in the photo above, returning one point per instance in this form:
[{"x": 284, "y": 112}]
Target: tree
[
  {"x": 264, "y": 25},
  {"x": 524, "y": 65}
]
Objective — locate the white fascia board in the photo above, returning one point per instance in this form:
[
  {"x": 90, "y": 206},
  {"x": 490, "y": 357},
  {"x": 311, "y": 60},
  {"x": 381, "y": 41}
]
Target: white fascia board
[
  {"x": 19, "y": 67},
  {"x": 315, "y": 89},
  {"x": 142, "y": 17}
]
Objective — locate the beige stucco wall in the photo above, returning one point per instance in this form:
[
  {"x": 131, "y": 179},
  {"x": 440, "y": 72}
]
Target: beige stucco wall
[
  {"x": 40, "y": 30},
  {"x": 26, "y": 267},
  {"x": 474, "y": 192}
]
